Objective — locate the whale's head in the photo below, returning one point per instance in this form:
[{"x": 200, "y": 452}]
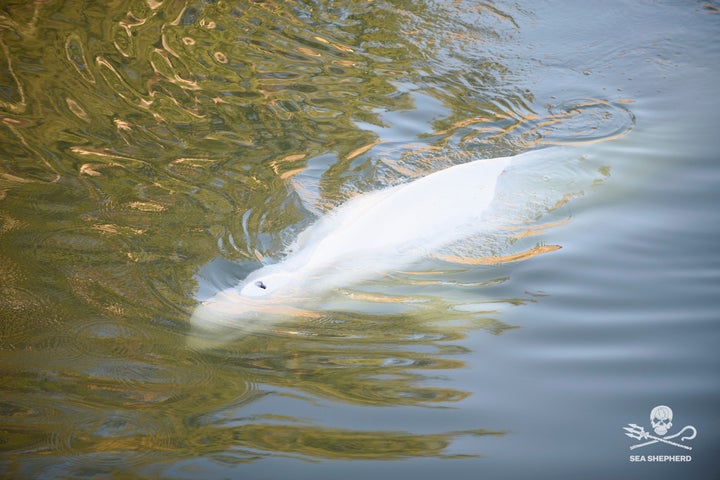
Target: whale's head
[{"x": 265, "y": 297}]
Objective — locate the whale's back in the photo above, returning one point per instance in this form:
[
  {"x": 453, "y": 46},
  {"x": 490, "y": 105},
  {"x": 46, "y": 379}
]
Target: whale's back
[
  {"x": 428, "y": 209},
  {"x": 402, "y": 222}
]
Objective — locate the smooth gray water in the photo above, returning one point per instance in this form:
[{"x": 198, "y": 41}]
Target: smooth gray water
[{"x": 151, "y": 154}]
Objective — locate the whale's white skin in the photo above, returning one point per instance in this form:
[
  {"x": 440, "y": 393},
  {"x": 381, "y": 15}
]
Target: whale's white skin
[{"x": 368, "y": 236}]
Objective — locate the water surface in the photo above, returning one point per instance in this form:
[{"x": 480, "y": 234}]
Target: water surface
[{"x": 153, "y": 153}]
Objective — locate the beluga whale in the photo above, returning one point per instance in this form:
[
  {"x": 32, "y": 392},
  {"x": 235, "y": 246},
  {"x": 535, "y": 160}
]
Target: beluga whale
[{"x": 369, "y": 236}]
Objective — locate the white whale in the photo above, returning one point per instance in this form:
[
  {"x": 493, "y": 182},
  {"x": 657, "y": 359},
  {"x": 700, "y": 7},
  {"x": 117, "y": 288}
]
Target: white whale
[{"x": 368, "y": 236}]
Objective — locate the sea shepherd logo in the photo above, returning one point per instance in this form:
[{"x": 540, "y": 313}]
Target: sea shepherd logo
[{"x": 661, "y": 418}]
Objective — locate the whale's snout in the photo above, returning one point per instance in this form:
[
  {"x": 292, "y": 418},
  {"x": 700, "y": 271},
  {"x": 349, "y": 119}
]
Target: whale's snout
[
  {"x": 231, "y": 314},
  {"x": 227, "y": 310}
]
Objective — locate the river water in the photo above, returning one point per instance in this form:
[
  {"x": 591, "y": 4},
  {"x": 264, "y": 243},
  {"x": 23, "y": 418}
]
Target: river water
[{"x": 153, "y": 153}]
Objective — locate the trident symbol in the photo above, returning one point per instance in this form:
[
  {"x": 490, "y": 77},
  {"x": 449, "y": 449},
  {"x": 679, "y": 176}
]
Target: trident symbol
[{"x": 637, "y": 432}]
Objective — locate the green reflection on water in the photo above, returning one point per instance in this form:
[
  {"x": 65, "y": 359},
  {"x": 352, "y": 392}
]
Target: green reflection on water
[
  {"x": 140, "y": 139},
  {"x": 335, "y": 443}
]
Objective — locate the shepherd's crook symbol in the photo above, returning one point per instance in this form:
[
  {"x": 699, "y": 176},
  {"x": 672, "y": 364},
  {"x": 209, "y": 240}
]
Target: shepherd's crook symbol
[{"x": 639, "y": 433}]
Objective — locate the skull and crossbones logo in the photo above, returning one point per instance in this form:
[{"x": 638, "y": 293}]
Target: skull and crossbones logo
[{"x": 661, "y": 418}]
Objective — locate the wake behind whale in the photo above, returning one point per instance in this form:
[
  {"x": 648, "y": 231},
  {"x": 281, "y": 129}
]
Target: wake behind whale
[{"x": 372, "y": 235}]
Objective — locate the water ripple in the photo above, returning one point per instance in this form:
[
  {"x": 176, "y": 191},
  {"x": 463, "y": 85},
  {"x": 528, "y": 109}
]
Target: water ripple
[
  {"x": 23, "y": 418},
  {"x": 118, "y": 439},
  {"x": 75, "y": 52},
  {"x": 106, "y": 338},
  {"x": 25, "y": 312},
  {"x": 583, "y": 121},
  {"x": 13, "y": 95}
]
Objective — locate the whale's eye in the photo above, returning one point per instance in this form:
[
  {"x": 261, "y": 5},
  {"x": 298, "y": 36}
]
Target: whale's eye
[{"x": 260, "y": 284}]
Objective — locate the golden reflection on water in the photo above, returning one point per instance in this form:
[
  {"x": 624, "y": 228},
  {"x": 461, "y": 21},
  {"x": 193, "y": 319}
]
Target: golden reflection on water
[
  {"x": 514, "y": 257},
  {"x": 142, "y": 139},
  {"x": 337, "y": 444}
]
